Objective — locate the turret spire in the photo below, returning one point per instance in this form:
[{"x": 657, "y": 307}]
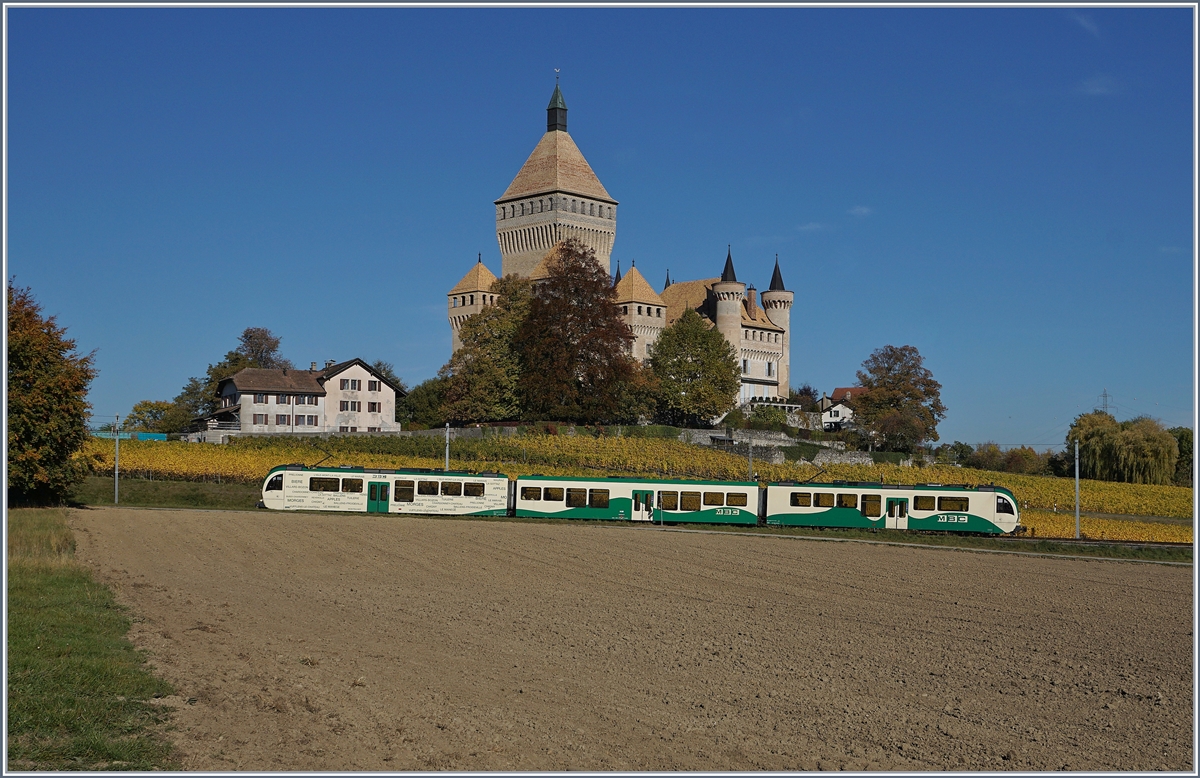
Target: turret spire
[
  {"x": 776, "y": 278},
  {"x": 668, "y": 283},
  {"x": 617, "y": 279},
  {"x": 556, "y": 112},
  {"x": 727, "y": 274}
]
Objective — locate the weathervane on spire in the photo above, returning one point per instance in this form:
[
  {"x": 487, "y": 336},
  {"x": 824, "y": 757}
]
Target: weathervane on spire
[{"x": 556, "y": 76}]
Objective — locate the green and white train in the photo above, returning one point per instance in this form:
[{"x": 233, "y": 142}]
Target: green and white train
[{"x": 924, "y": 507}]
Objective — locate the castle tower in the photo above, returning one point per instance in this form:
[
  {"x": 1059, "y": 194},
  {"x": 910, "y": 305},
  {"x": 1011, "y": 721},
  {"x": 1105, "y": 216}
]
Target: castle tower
[
  {"x": 642, "y": 309},
  {"x": 729, "y": 295},
  {"x": 468, "y": 297},
  {"x": 555, "y": 196},
  {"x": 777, "y": 302}
]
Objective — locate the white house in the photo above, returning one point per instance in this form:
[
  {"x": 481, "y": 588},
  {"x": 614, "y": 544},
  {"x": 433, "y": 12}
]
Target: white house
[
  {"x": 836, "y": 413},
  {"x": 343, "y": 397}
]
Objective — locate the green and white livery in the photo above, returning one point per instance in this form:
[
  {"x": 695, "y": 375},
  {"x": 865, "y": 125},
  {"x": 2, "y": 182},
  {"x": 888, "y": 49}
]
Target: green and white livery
[
  {"x": 357, "y": 489},
  {"x": 633, "y": 499},
  {"x": 927, "y": 507}
]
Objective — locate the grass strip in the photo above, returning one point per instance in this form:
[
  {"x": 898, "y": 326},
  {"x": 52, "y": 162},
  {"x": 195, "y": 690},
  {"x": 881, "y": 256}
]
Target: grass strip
[
  {"x": 78, "y": 691},
  {"x": 142, "y": 493}
]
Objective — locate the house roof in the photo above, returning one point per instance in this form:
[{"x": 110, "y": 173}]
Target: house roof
[
  {"x": 477, "y": 279},
  {"x": 291, "y": 381},
  {"x": 847, "y": 392},
  {"x": 762, "y": 322},
  {"x": 682, "y": 295},
  {"x": 633, "y": 287},
  {"x": 556, "y": 165}
]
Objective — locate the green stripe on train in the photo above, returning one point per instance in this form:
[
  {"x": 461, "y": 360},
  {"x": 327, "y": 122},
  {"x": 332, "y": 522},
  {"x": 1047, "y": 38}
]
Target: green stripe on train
[
  {"x": 620, "y": 509},
  {"x": 852, "y": 518}
]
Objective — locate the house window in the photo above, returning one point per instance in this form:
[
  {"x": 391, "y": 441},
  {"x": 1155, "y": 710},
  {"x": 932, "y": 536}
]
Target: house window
[
  {"x": 282, "y": 419},
  {"x": 350, "y": 405},
  {"x": 306, "y": 421},
  {"x": 352, "y": 384},
  {"x": 343, "y": 429},
  {"x": 260, "y": 418},
  {"x": 372, "y": 429},
  {"x": 373, "y": 386},
  {"x": 374, "y": 407},
  {"x": 260, "y": 399},
  {"x": 282, "y": 399}
]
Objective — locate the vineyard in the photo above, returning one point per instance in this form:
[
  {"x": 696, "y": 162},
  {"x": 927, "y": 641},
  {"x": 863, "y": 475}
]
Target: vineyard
[{"x": 248, "y": 460}]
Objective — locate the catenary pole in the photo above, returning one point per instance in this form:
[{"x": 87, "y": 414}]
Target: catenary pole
[
  {"x": 1077, "y": 490},
  {"x": 447, "y": 468},
  {"x": 117, "y": 461}
]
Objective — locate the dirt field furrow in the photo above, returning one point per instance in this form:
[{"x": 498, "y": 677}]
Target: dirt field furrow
[{"x": 312, "y": 642}]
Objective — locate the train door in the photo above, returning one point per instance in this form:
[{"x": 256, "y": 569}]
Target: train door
[
  {"x": 643, "y": 506},
  {"x": 897, "y": 513},
  {"x": 377, "y": 497}
]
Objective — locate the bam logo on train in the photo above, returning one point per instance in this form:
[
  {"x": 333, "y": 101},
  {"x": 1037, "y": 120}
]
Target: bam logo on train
[{"x": 938, "y": 507}]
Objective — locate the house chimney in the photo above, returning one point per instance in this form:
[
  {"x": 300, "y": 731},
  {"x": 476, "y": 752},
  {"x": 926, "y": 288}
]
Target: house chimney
[
  {"x": 329, "y": 363},
  {"x": 312, "y": 367},
  {"x": 752, "y": 301}
]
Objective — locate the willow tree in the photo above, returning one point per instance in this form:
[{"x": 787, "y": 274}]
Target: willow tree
[{"x": 1136, "y": 451}]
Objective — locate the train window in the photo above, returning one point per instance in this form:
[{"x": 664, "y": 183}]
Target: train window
[
  {"x": 689, "y": 501},
  {"x": 472, "y": 490},
  {"x": 598, "y": 498},
  {"x": 353, "y": 485},
  {"x": 872, "y": 506},
  {"x": 404, "y": 491},
  {"x": 823, "y": 499},
  {"x": 952, "y": 504},
  {"x": 801, "y": 500},
  {"x": 323, "y": 484},
  {"x": 668, "y": 501},
  {"x": 452, "y": 488},
  {"x": 554, "y": 493},
  {"x": 847, "y": 500},
  {"x": 576, "y": 498},
  {"x": 1002, "y": 505},
  {"x": 427, "y": 487},
  {"x": 736, "y": 498},
  {"x": 531, "y": 493},
  {"x": 923, "y": 503},
  {"x": 276, "y": 484},
  {"x": 714, "y": 498}
]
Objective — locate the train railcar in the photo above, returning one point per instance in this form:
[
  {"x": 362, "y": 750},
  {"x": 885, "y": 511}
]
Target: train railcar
[
  {"x": 633, "y": 499},
  {"x": 357, "y": 489},
  {"x": 931, "y": 507}
]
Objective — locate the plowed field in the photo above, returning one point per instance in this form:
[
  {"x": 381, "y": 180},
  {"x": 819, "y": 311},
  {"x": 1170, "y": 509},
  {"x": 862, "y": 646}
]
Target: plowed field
[{"x": 312, "y": 642}]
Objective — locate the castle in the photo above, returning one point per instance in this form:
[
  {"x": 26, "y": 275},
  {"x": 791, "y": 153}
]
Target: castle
[{"x": 556, "y": 195}]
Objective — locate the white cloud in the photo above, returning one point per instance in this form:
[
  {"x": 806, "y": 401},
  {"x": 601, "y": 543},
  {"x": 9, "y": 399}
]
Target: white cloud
[
  {"x": 1100, "y": 85},
  {"x": 1087, "y": 23},
  {"x": 860, "y": 211},
  {"x": 811, "y": 227}
]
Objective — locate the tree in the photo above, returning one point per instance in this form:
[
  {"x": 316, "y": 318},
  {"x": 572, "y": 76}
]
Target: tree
[
  {"x": 955, "y": 453},
  {"x": 1183, "y": 465},
  {"x": 261, "y": 349},
  {"x": 805, "y": 397},
  {"x": 697, "y": 372},
  {"x": 903, "y": 404},
  {"x": 1136, "y": 451},
  {"x": 388, "y": 371},
  {"x": 483, "y": 375},
  {"x": 422, "y": 407},
  {"x": 47, "y": 404},
  {"x": 148, "y": 416},
  {"x": 573, "y": 345}
]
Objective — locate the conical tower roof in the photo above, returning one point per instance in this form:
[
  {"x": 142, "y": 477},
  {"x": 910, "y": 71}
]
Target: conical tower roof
[
  {"x": 776, "y": 278},
  {"x": 556, "y": 165},
  {"x": 617, "y": 278},
  {"x": 634, "y": 287},
  {"x": 727, "y": 274},
  {"x": 477, "y": 279}
]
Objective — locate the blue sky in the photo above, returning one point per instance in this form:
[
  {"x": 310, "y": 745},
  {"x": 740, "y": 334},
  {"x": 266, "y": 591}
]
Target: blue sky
[{"x": 1008, "y": 190}]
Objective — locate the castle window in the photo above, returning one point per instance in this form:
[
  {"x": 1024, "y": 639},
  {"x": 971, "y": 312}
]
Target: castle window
[
  {"x": 658, "y": 312},
  {"x": 573, "y": 204},
  {"x": 639, "y": 310},
  {"x": 768, "y": 370},
  {"x": 624, "y": 310},
  {"x": 592, "y": 209},
  {"x": 745, "y": 366},
  {"x": 472, "y": 299},
  {"x": 453, "y": 302}
]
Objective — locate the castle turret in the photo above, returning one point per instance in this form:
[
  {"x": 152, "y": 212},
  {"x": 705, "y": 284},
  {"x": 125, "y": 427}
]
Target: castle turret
[
  {"x": 469, "y": 296},
  {"x": 777, "y": 302},
  {"x": 555, "y": 196},
  {"x": 730, "y": 294},
  {"x": 642, "y": 309}
]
